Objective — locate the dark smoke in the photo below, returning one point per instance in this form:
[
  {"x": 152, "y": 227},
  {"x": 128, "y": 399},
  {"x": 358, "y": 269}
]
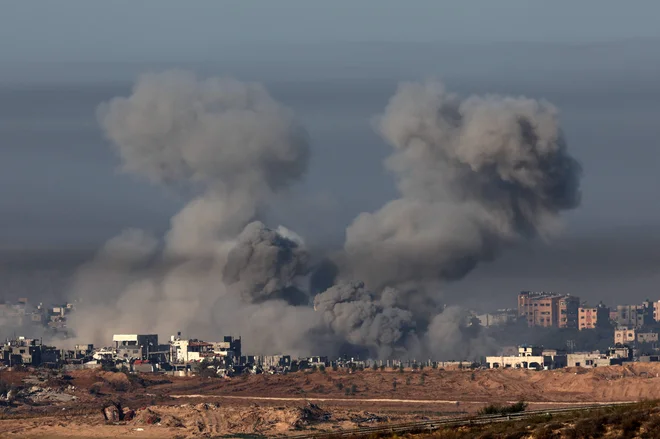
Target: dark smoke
[
  {"x": 265, "y": 264},
  {"x": 354, "y": 313}
]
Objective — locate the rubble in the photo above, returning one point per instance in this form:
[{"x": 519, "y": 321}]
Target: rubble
[{"x": 312, "y": 413}]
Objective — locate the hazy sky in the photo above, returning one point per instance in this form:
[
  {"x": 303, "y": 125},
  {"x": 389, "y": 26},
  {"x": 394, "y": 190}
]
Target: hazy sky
[
  {"x": 336, "y": 64},
  {"x": 79, "y": 30}
]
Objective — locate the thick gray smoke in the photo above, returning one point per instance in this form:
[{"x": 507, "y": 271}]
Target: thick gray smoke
[
  {"x": 231, "y": 146},
  {"x": 267, "y": 264},
  {"x": 475, "y": 176},
  {"x": 354, "y": 313}
]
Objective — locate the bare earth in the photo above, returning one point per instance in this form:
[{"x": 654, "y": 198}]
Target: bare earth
[{"x": 272, "y": 405}]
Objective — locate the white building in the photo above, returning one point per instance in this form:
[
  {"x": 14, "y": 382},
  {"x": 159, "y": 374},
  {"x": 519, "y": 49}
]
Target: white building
[{"x": 529, "y": 357}]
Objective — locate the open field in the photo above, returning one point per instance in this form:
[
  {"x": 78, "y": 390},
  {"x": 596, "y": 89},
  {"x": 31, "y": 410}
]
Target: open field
[{"x": 267, "y": 405}]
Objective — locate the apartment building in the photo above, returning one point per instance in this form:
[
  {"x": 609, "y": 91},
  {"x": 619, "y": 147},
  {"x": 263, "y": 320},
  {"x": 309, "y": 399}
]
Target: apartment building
[
  {"x": 548, "y": 309},
  {"x": 593, "y": 317}
]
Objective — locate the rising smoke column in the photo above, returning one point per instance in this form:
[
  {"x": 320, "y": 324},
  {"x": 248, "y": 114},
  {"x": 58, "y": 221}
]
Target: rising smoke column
[
  {"x": 475, "y": 175},
  {"x": 229, "y": 146}
]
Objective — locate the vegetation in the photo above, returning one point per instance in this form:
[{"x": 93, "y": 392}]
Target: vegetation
[
  {"x": 640, "y": 420},
  {"x": 496, "y": 409}
]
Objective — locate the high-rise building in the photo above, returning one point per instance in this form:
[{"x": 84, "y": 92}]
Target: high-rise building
[{"x": 548, "y": 309}]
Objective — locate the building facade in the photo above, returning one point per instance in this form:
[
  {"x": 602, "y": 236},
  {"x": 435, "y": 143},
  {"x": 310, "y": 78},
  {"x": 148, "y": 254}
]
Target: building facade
[
  {"x": 548, "y": 309},
  {"x": 624, "y": 335},
  {"x": 135, "y": 346},
  {"x": 592, "y": 318}
]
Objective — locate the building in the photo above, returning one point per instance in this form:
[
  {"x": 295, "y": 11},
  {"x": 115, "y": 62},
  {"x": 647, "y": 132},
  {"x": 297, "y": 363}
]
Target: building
[
  {"x": 647, "y": 337},
  {"x": 529, "y": 357},
  {"x": 592, "y": 318},
  {"x": 624, "y": 335},
  {"x": 501, "y": 317},
  {"x": 568, "y": 312},
  {"x": 548, "y": 309},
  {"x": 633, "y": 316},
  {"x": 656, "y": 311},
  {"x": 22, "y": 351},
  {"x": 185, "y": 351},
  {"x": 135, "y": 346}
]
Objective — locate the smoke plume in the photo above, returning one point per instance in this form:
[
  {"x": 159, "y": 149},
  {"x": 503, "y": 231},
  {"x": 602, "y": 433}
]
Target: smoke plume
[
  {"x": 231, "y": 147},
  {"x": 475, "y": 176},
  {"x": 353, "y": 312},
  {"x": 264, "y": 264}
]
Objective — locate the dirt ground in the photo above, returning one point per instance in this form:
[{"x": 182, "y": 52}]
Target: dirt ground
[{"x": 69, "y": 406}]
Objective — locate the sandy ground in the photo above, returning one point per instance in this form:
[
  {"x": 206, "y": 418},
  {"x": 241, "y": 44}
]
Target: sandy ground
[{"x": 272, "y": 405}]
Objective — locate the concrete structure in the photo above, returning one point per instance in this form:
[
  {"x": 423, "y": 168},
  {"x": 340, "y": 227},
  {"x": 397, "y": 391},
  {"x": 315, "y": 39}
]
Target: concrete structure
[
  {"x": 135, "y": 346},
  {"x": 624, "y": 335},
  {"x": 647, "y": 337},
  {"x": 568, "y": 312},
  {"x": 656, "y": 311},
  {"x": 185, "y": 351},
  {"x": 613, "y": 356},
  {"x": 633, "y": 316},
  {"x": 500, "y": 317},
  {"x": 529, "y": 357},
  {"x": 592, "y": 318},
  {"x": 273, "y": 361},
  {"x": 548, "y": 309},
  {"x": 22, "y": 351}
]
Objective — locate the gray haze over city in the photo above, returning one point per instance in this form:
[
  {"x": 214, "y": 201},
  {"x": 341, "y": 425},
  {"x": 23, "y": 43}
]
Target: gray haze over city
[{"x": 77, "y": 173}]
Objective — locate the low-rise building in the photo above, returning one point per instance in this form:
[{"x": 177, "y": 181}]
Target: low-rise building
[
  {"x": 529, "y": 357},
  {"x": 135, "y": 346},
  {"x": 623, "y": 336}
]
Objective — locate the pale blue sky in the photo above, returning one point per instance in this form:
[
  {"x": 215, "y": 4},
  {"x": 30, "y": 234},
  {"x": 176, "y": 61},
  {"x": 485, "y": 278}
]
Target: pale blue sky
[{"x": 84, "y": 30}]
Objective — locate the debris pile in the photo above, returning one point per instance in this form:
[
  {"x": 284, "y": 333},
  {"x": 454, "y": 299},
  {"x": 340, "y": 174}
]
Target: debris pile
[{"x": 310, "y": 414}]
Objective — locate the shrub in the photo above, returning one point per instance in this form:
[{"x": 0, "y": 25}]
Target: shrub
[{"x": 496, "y": 409}]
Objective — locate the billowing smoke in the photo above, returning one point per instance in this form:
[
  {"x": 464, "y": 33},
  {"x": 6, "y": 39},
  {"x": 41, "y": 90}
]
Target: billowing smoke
[
  {"x": 267, "y": 264},
  {"x": 475, "y": 176},
  {"x": 354, "y": 313},
  {"x": 230, "y": 146}
]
